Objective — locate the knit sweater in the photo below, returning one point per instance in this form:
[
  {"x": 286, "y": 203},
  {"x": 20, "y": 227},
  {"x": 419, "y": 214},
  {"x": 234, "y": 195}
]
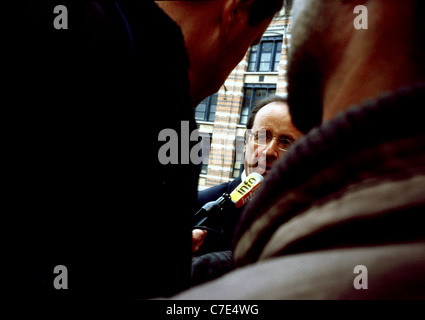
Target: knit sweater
[{"x": 382, "y": 140}]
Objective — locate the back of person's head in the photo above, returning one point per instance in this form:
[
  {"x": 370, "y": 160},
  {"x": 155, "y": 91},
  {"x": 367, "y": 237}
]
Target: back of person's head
[{"x": 344, "y": 52}]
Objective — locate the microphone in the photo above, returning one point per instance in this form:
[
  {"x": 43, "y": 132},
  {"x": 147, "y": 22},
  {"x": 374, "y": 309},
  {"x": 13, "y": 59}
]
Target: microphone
[{"x": 236, "y": 199}]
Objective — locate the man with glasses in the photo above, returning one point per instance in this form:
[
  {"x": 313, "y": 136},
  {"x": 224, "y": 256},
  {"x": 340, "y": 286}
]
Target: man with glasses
[{"x": 269, "y": 135}]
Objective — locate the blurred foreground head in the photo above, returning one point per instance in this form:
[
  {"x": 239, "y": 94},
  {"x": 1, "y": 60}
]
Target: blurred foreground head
[
  {"x": 217, "y": 35},
  {"x": 339, "y": 65}
]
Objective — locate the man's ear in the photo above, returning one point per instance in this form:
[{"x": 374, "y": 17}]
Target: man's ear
[
  {"x": 228, "y": 15},
  {"x": 232, "y": 11}
]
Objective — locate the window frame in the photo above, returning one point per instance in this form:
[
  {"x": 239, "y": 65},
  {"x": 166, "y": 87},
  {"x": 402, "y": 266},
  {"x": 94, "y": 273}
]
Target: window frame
[
  {"x": 252, "y": 100},
  {"x": 239, "y": 146},
  {"x": 206, "y": 140},
  {"x": 259, "y": 47},
  {"x": 207, "y": 113}
]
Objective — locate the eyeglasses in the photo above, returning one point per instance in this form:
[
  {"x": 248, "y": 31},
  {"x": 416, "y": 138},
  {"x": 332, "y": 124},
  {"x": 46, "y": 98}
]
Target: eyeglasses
[{"x": 264, "y": 138}]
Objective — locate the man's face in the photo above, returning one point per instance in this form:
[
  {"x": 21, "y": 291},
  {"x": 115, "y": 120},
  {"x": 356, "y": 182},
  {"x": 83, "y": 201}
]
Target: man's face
[
  {"x": 272, "y": 133},
  {"x": 217, "y": 36}
]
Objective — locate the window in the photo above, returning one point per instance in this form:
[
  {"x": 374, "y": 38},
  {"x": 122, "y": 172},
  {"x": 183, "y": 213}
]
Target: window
[
  {"x": 265, "y": 56},
  {"x": 205, "y": 149},
  {"x": 205, "y": 111},
  {"x": 238, "y": 160},
  {"x": 252, "y": 93}
]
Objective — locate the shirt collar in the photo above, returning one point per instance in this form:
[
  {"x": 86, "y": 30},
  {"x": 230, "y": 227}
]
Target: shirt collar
[{"x": 243, "y": 175}]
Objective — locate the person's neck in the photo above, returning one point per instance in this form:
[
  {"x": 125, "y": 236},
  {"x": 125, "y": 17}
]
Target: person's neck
[{"x": 373, "y": 61}]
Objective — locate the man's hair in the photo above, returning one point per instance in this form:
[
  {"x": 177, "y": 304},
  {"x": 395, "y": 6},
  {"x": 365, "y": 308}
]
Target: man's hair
[
  {"x": 260, "y": 104},
  {"x": 263, "y": 9}
]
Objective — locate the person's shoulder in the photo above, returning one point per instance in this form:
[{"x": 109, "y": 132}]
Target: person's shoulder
[
  {"x": 212, "y": 193},
  {"x": 233, "y": 184}
]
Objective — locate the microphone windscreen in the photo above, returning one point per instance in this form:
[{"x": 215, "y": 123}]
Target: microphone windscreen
[{"x": 246, "y": 189}]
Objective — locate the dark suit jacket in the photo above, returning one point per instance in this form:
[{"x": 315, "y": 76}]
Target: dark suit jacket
[
  {"x": 226, "y": 221},
  {"x": 88, "y": 107}
]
